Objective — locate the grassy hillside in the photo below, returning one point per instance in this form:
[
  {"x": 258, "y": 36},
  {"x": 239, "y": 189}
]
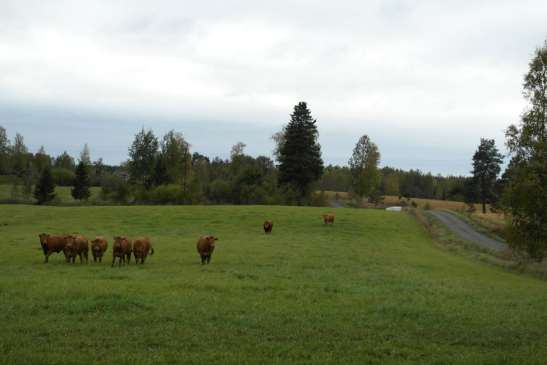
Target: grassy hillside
[{"x": 373, "y": 288}]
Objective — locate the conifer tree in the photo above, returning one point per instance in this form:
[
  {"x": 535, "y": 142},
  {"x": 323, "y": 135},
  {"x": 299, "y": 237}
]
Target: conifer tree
[
  {"x": 300, "y": 162},
  {"x": 45, "y": 189},
  {"x": 80, "y": 191}
]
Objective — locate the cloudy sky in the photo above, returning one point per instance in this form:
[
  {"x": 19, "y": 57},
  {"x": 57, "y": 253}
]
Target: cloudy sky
[{"x": 424, "y": 79}]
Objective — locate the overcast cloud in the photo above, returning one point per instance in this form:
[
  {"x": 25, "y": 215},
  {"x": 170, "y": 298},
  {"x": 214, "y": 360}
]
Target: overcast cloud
[{"x": 424, "y": 79}]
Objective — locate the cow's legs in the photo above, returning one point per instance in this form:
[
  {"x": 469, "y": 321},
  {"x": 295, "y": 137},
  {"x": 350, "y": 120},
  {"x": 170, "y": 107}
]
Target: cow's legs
[
  {"x": 208, "y": 259},
  {"x": 47, "y": 257},
  {"x": 203, "y": 259}
]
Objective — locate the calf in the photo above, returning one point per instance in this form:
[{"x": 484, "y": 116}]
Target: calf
[
  {"x": 268, "y": 225},
  {"x": 98, "y": 248},
  {"x": 206, "y": 246},
  {"x": 328, "y": 218},
  {"x": 121, "y": 249},
  {"x": 51, "y": 244},
  {"x": 141, "y": 247}
]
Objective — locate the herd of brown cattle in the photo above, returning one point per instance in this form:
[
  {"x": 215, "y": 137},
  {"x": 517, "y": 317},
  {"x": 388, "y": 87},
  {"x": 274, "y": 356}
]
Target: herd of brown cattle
[{"x": 78, "y": 245}]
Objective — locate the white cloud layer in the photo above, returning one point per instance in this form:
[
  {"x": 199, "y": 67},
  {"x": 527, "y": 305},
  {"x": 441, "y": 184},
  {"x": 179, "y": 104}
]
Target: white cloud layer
[{"x": 426, "y": 79}]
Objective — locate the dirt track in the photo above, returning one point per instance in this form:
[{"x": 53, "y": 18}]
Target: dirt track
[{"x": 467, "y": 232}]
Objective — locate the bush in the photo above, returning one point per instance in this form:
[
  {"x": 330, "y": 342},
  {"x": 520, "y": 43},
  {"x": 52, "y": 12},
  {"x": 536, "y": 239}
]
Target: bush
[
  {"x": 414, "y": 204},
  {"x": 167, "y": 194},
  {"x": 427, "y": 206},
  {"x": 62, "y": 176},
  {"x": 114, "y": 188}
]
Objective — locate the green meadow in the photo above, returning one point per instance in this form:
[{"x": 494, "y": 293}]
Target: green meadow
[{"x": 371, "y": 289}]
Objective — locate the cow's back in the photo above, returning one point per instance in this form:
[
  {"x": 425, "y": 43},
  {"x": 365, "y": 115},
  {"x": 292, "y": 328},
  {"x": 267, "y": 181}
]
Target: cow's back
[{"x": 55, "y": 243}]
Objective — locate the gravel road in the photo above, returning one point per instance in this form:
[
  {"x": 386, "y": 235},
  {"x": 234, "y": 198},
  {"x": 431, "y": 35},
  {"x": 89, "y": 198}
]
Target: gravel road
[{"x": 467, "y": 232}]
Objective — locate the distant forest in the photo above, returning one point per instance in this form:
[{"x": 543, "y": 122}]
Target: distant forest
[{"x": 166, "y": 171}]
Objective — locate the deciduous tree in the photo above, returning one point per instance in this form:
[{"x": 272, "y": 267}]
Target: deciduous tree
[
  {"x": 142, "y": 158},
  {"x": 365, "y": 177},
  {"x": 525, "y": 194}
]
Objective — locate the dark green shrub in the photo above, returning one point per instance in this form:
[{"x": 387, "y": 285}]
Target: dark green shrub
[
  {"x": 167, "y": 194},
  {"x": 62, "y": 176},
  {"x": 115, "y": 189}
]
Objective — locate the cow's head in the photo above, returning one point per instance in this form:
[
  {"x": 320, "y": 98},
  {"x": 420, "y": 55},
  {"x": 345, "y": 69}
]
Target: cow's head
[{"x": 43, "y": 238}]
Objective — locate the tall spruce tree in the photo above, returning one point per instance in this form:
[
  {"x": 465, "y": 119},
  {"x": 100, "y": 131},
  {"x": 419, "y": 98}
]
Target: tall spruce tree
[
  {"x": 45, "y": 189},
  {"x": 486, "y": 167},
  {"x": 525, "y": 193},
  {"x": 80, "y": 191},
  {"x": 300, "y": 162}
]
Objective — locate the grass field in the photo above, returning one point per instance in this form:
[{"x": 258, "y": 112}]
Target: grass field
[{"x": 372, "y": 288}]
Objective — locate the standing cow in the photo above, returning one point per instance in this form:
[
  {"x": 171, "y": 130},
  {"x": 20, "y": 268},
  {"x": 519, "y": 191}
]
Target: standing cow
[
  {"x": 70, "y": 250},
  {"x": 328, "y": 218},
  {"x": 82, "y": 247},
  {"x": 51, "y": 244},
  {"x": 206, "y": 246},
  {"x": 121, "y": 249},
  {"x": 141, "y": 247},
  {"x": 268, "y": 225},
  {"x": 98, "y": 248}
]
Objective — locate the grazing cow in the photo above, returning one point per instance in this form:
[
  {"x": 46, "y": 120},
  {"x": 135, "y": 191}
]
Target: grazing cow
[
  {"x": 328, "y": 218},
  {"x": 70, "y": 250},
  {"x": 206, "y": 246},
  {"x": 268, "y": 225},
  {"x": 141, "y": 247},
  {"x": 98, "y": 248},
  {"x": 51, "y": 244},
  {"x": 82, "y": 246},
  {"x": 121, "y": 249}
]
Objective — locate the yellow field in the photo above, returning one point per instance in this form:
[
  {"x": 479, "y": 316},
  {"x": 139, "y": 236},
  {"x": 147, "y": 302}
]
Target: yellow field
[{"x": 494, "y": 221}]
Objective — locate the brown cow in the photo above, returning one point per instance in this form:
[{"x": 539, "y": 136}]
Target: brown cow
[
  {"x": 121, "y": 249},
  {"x": 268, "y": 225},
  {"x": 98, "y": 248},
  {"x": 81, "y": 245},
  {"x": 141, "y": 247},
  {"x": 328, "y": 218},
  {"x": 51, "y": 244},
  {"x": 70, "y": 250},
  {"x": 206, "y": 246}
]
